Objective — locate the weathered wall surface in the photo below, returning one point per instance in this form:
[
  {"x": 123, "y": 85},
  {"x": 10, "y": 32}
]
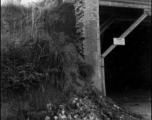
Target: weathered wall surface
[
  {"x": 92, "y": 39},
  {"x": 87, "y": 25}
]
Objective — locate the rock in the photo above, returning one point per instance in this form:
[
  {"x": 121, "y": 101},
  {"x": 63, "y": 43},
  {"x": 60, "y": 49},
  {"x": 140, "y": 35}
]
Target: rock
[{"x": 47, "y": 118}]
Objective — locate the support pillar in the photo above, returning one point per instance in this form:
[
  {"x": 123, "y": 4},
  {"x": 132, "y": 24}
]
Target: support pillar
[
  {"x": 103, "y": 27},
  {"x": 92, "y": 39}
]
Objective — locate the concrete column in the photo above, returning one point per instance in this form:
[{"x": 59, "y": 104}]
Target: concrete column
[
  {"x": 92, "y": 39},
  {"x": 87, "y": 24}
]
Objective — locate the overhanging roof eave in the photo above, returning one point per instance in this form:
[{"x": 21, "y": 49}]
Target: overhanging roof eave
[{"x": 146, "y": 7}]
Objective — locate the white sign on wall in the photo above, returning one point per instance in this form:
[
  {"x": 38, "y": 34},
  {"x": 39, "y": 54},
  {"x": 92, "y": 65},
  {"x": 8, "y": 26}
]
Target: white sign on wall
[{"x": 119, "y": 41}]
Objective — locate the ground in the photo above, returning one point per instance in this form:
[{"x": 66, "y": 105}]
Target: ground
[{"x": 135, "y": 101}]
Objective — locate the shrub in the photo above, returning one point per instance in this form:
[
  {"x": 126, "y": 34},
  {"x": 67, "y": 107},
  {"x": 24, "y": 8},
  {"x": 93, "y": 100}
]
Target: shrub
[{"x": 36, "y": 59}]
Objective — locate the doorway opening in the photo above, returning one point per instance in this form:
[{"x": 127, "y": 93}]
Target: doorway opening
[{"x": 129, "y": 66}]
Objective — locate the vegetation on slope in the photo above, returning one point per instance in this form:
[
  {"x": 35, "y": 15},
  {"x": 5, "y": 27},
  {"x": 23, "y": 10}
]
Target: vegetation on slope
[{"x": 37, "y": 57}]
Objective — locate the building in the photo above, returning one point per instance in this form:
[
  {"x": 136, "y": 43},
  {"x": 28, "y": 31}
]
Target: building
[{"x": 95, "y": 21}]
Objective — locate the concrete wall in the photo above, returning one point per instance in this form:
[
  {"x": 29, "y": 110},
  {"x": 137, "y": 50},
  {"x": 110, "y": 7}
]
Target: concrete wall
[
  {"x": 92, "y": 39},
  {"x": 88, "y": 28}
]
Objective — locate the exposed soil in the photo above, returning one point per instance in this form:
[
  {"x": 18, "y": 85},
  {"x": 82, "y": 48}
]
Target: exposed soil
[{"x": 136, "y": 101}]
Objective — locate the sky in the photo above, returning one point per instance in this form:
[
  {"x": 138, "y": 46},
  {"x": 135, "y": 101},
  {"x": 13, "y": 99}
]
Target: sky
[{"x": 24, "y": 2}]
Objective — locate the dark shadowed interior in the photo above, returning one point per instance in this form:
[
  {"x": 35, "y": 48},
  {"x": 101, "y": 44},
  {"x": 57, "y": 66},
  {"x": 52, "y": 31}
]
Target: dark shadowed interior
[{"x": 127, "y": 67}]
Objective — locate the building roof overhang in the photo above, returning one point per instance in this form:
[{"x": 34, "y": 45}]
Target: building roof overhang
[{"x": 139, "y": 4}]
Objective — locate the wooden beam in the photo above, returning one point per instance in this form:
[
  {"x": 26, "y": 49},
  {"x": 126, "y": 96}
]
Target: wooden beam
[
  {"x": 129, "y": 0},
  {"x": 139, "y": 2},
  {"x": 103, "y": 77},
  {"x": 122, "y": 4},
  {"x": 148, "y": 11},
  {"x": 106, "y": 24},
  {"x": 133, "y": 26}
]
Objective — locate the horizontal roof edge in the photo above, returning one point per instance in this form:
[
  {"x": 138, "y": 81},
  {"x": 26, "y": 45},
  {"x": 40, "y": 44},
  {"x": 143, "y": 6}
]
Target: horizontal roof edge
[{"x": 128, "y": 4}]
